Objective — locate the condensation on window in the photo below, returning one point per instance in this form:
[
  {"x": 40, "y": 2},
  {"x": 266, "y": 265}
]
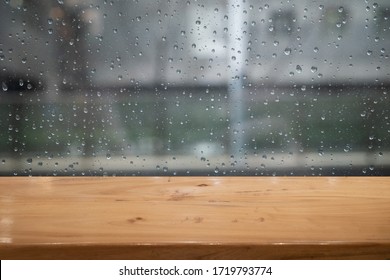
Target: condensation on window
[{"x": 220, "y": 87}]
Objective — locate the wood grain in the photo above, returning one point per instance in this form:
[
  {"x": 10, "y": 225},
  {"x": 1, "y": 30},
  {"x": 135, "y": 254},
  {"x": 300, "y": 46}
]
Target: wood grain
[{"x": 194, "y": 217}]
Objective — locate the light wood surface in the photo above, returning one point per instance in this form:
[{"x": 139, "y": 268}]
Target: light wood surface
[{"x": 194, "y": 217}]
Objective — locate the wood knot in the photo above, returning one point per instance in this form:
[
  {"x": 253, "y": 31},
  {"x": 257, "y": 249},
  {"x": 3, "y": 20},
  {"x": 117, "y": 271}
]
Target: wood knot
[{"x": 134, "y": 220}]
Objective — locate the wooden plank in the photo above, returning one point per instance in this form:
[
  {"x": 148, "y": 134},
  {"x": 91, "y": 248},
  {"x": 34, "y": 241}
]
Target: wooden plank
[{"x": 194, "y": 217}]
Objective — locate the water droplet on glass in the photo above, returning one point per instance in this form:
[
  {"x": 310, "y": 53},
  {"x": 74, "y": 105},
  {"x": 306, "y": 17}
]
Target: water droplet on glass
[
  {"x": 29, "y": 160},
  {"x": 313, "y": 69},
  {"x": 108, "y": 156},
  {"x": 298, "y": 68},
  {"x": 287, "y": 51},
  {"x": 4, "y": 86}
]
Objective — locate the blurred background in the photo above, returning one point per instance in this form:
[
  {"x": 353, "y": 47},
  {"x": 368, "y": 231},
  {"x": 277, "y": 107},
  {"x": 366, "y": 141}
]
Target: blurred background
[{"x": 223, "y": 87}]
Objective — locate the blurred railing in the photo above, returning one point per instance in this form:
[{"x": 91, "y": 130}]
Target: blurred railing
[{"x": 187, "y": 131}]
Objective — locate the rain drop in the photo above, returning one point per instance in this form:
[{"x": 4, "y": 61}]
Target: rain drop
[
  {"x": 4, "y": 86},
  {"x": 287, "y": 51},
  {"x": 347, "y": 148}
]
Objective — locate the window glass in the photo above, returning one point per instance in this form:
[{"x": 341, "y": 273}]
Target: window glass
[{"x": 222, "y": 87}]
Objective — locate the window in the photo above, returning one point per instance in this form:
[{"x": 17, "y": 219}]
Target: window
[
  {"x": 336, "y": 19},
  {"x": 223, "y": 87},
  {"x": 383, "y": 21},
  {"x": 283, "y": 22}
]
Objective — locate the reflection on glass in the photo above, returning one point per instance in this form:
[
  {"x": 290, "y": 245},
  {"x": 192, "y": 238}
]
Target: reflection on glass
[{"x": 98, "y": 87}]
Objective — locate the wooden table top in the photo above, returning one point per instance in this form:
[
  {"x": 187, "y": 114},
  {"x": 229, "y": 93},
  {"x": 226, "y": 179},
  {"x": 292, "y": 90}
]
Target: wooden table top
[{"x": 194, "y": 217}]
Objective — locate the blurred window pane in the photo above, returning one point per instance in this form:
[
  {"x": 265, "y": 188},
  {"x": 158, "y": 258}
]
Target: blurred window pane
[
  {"x": 383, "y": 19},
  {"x": 283, "y": 22},
  {"x": 222, "y": 87}
]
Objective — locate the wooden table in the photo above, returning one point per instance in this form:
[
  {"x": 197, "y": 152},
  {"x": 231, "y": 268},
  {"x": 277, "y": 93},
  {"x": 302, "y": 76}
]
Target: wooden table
[{"x": 195, "y": 218}]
